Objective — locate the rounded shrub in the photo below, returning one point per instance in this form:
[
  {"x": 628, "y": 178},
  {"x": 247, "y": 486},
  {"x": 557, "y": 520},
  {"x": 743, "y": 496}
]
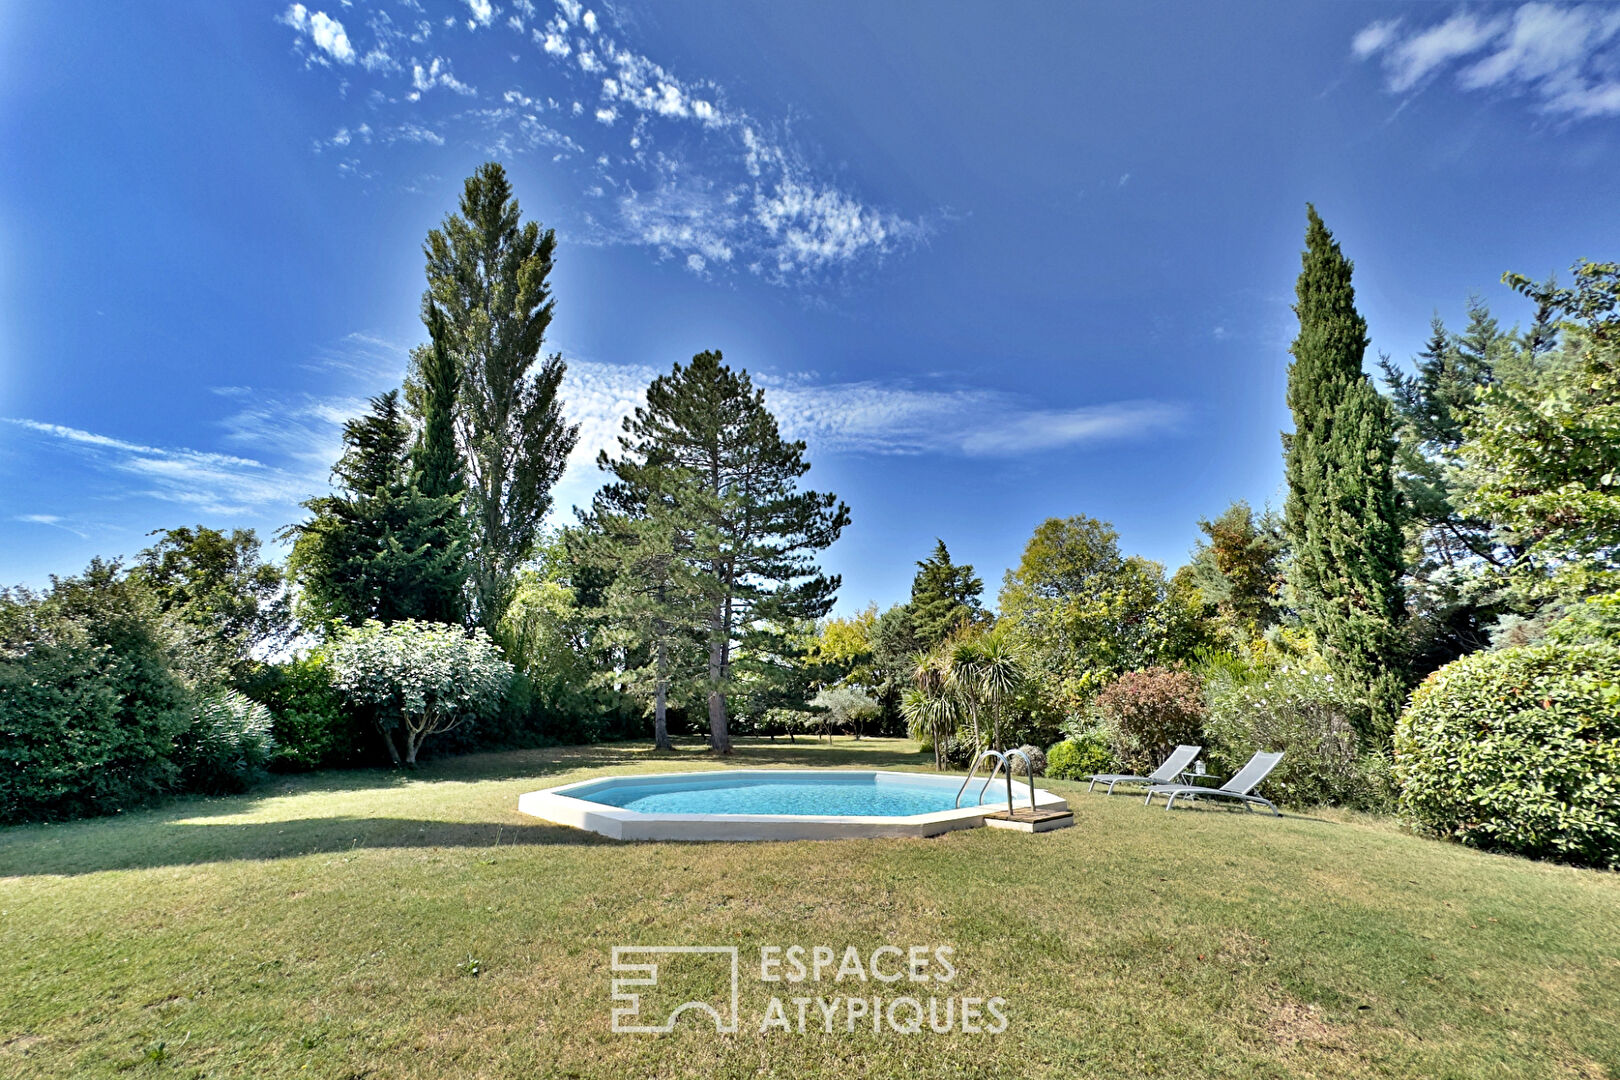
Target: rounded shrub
[
  {"x": 1518, "y": 751},
  {"x": 227, "y": 745},
  {"x": 1079, "y": 756},
  {"x": 1149, "y": 712}
]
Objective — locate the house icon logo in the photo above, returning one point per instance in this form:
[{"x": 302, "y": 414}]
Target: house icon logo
[{"x": 695, "y": 978}]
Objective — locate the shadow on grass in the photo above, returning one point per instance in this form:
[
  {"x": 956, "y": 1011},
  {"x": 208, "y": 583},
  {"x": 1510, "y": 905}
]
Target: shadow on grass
[
  {"x": 191, "y": 843},
  {"x": 180, "y": 832}
]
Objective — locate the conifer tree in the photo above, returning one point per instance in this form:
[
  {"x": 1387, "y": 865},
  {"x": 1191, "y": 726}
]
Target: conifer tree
[
  {"x": 708, "y": 454},
  {"x": 944, "y": 597},
  {"x": 378, "y": 548},
  {"x": 487, "y": 273},
  {"x": 1342, "y": 512}
]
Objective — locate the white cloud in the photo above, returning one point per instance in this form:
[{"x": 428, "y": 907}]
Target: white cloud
[
  {"x": 210, "y": 483},
  {"x": 415, "y": 133},
  {"x": 324, "y": 31},
  {"x": 1564, "y": 56},
  {"x": 696, "y": 174},
  {"x": 436, "y": 73},
  {"x": 1373, "y": 37}
]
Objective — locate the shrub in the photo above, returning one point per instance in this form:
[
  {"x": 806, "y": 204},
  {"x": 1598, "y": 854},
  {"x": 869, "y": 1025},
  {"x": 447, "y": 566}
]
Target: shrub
[
  {"x": 1077, "y": 758},
  {"x": 1037, "y": 761},
  {"x": 421, "y": 678},
  {"x": 310, "y": 726},
  {"x": 1311, "y": 718},
  {"x": 1149, "y": 712},
  {"x": 227, "y": 745},
  {"x": 89, "y": 701},
  {"x": 1518, "y": 751}
]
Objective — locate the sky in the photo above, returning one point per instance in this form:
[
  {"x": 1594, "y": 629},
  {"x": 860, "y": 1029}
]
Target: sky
[{"x": 994, "y": 263}]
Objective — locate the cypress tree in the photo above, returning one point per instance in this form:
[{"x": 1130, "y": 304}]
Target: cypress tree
[
  {"x": 1342, "y": 514},
  {"x": 437, "y": 462}
]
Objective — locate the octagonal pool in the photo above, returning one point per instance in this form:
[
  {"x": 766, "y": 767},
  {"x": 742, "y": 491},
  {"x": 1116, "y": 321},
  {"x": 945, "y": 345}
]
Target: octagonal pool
[{"x": 776, "y": 804}]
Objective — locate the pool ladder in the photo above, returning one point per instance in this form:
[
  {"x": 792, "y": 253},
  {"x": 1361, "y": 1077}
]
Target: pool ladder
[{"x": 1003, "y": 761}]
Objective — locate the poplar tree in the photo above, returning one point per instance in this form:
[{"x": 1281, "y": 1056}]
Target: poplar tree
[
  {"x": 1342, "y": 512},
  {"x": 708, "y": 454},
  {"x": 435, "y": 458},
  {"x": 487, "y": 272}
]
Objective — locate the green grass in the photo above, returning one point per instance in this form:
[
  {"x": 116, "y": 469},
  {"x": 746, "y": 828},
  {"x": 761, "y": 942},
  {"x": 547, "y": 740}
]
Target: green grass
[{"x": 331, "y": 926}]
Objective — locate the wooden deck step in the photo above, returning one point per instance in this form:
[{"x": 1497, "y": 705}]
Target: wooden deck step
[{"x": 1025, "y": 819}]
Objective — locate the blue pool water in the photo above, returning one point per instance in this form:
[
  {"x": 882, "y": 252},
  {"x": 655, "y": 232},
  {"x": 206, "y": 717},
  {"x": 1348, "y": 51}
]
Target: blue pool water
[{"x": 854, "y": 795}]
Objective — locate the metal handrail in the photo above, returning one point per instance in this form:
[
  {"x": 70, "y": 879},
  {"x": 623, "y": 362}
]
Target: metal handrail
[
  {"x": 1001, "y": 761},
  {"x": 974, "y": 769}
]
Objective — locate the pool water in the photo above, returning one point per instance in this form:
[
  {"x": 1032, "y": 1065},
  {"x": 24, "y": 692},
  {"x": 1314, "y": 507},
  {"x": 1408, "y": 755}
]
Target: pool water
[{"x": 857, "y": 795}]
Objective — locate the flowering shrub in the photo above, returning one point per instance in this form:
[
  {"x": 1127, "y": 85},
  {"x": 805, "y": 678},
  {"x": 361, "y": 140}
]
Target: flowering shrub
[
  {"x": 1518, "y": 751},
  {"x": 421, "y": 678},
  {"x": 1302, "y": 711},
  {"x": 1149, "y": 712}
]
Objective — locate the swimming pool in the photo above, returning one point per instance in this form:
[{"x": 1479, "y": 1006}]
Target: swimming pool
[{"x": 775, "y": 804}]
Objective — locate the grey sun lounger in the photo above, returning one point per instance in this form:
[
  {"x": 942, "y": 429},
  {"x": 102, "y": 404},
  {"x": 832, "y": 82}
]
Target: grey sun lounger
[
  {"x": 1239, "y": 787},
  {"x": 1174, "y": 766}
]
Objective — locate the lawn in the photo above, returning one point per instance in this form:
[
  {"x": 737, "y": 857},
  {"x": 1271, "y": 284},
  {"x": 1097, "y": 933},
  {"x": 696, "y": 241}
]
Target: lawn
[{"x": 376, "y": 925}]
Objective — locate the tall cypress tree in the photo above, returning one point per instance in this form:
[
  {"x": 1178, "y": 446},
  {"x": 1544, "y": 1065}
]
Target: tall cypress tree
[
  {"x": 1342, "y": 514},
  {"x": 487, "y": 272}
]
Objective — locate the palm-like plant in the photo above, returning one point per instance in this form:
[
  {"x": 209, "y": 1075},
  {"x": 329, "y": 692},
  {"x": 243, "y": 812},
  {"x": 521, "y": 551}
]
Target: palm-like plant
[
  {"x": 931, "y": 707},
  {"x": 998, "y": 671},
  {"x": 965, "y": 658}
]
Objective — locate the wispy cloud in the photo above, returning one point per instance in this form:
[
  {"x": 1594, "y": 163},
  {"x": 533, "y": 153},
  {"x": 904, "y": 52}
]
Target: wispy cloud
[
  {"x": 867, "y": 417},
  {"x": 660, "y": 160},
  {"x": 210, "y": 483},
  {"x": 1564, "y": 57},
  {"x": 52, "y": 521}
]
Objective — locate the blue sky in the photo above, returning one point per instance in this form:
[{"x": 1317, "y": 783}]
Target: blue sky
[{"x": 994, "y": 262}]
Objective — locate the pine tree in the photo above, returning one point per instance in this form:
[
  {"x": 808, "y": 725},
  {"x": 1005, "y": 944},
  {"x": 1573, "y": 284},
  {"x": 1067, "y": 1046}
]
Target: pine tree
[
  {"x": 707, "y": 451},
  {"x": 1342, "y": 513},
  {"x": 944, "y": 597},
  {"x": 487, "y": 273},
  {"x": 378, "y": 548},
  {"x": 650, "y": 605}
]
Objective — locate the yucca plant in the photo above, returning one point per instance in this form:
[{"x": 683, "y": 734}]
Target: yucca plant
[{"x": 931, "y": 707}]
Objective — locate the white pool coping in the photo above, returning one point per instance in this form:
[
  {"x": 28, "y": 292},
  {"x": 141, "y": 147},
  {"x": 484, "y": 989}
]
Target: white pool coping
[{"x": 563, "y": 806}]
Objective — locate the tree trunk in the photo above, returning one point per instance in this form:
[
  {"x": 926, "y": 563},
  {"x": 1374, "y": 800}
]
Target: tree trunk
[
  {"x": 388, "y": 741},
  {"x": 660, "y": 720},
  {"x": 719, "y": 735}
]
